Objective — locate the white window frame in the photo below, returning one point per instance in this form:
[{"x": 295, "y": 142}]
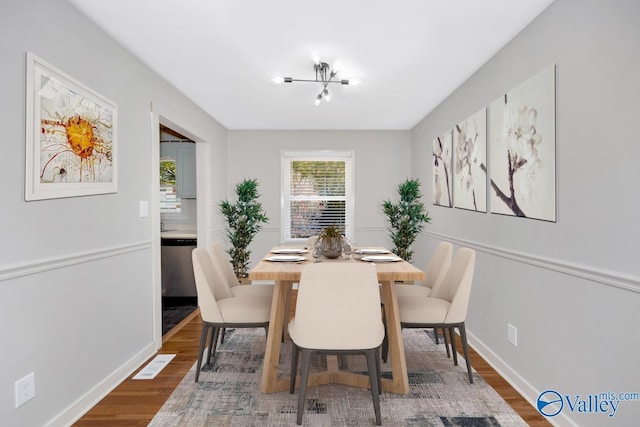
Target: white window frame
[{"x": 316, "y": 155}]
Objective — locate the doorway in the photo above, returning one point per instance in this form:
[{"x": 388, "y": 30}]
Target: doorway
[{"x": 178, "y": 225}]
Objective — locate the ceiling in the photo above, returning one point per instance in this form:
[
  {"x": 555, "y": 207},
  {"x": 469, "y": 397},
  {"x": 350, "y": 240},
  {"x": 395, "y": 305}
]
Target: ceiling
[{"x": 408, "y": 55}]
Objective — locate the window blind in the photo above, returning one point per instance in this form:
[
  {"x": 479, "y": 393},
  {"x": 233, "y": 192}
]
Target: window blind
[{"x": 317, "y": 192}]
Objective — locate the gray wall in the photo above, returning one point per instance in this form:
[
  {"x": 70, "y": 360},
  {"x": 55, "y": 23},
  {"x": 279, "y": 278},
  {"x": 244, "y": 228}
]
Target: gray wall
[
  {"x": 382, "y": 160},
  {"x": 571, "y": 287},
  {"x": 78, "y": 277},
  {"x": 79, "y": 293}
]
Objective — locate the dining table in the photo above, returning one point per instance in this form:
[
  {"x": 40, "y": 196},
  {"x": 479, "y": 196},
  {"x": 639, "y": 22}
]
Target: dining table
[{"x": 285, "y": 270}]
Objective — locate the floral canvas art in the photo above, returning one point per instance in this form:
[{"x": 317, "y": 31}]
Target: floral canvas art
[
  {"x": 71, "y": 136},
  {"x": 442, "y": 177},
  {"x": 469, "y": 159},
  {"x": 523, "y": 149}
]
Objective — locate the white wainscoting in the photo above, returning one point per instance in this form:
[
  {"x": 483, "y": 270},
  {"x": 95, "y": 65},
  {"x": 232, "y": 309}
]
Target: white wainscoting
[
  {"x": 13, "y": 271},
  {"x": 605, "y": 277}
]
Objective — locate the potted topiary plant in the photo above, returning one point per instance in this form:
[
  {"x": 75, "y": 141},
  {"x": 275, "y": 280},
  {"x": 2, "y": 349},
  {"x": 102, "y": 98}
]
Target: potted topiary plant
[
  {"x": 244, "y": 219},
  {"x": 331, "y": 239},
  {"x": 406, "y": 217}
]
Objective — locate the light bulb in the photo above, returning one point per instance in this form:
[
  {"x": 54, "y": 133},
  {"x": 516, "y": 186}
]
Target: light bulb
[
  {"x": 318, "y": 99},
  {"x": 326, "y": 95},
  {"x": 354, "y": 82},
  {"x": 277, "y": 80}
]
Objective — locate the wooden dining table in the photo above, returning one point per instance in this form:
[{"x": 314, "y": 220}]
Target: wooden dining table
[{"x": 285, "y": 274}]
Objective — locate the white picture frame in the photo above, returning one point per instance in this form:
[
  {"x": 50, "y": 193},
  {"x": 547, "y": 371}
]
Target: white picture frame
[
  {"x": 71, "y": 136},
  {"x": 523, "y": 149},
  {"x": 470, "y": 164}
]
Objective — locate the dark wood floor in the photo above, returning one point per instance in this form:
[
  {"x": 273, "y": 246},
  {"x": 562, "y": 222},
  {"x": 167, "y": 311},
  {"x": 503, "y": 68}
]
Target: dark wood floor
[{"x": 135, "y": 403}]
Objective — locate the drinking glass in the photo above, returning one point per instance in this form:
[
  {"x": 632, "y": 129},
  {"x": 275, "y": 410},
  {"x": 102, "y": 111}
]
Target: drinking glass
[
  {"x": 317, "y": 251},
  {"x": 347, "y": 248}
]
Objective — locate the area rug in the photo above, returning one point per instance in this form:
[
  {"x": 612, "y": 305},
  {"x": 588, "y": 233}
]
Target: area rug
[{"x": 228, "y": 393}]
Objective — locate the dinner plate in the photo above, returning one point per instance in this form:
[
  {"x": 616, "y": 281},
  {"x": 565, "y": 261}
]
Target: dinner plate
[
  {"x": 372, "y": 251},
  {"x": 381, "y": 258},
  {"x": 285, "y": 258},
  {"x": 289, "y": 251}
]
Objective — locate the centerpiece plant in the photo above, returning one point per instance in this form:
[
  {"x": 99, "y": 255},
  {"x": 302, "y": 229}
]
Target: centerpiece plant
[
  {"x": 244, "y": 220},
  {"x": 406, "y": 217},
  {"x": 331, "y": 238}
]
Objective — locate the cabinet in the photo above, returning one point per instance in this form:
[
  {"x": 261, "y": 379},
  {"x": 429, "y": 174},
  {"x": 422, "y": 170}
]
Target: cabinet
[
  {"x": 184, "y": 154},
  {"x": 186, "y": 171}
]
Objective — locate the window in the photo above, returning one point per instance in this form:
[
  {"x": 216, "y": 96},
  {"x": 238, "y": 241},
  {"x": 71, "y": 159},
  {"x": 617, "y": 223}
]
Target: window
[
  {"x": 316, "y": 192},
  {"x": 169, "y": 201}
]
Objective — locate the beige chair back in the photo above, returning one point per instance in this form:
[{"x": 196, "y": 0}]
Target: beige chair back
[
  {"x": 456, "y": 285},
  {"x": 338, "y": 307},
  {"x": 206, "y": 275},
  {"x": 222, "y": 257},
  {"x": 438, "y": 264},
  {"x": 311, "y": 242}
]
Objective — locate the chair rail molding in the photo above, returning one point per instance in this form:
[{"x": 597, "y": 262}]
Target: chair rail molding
[
  {"x": 13, "y": 271},
  {"x": 606, "y": 277}
]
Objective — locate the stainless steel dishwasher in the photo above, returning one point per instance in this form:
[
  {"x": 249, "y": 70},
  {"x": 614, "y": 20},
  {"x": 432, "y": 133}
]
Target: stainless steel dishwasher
[{"x": 177, "y": 268}]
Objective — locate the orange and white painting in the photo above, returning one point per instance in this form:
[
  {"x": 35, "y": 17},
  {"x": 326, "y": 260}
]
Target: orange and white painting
[{"x": 71, "y": 136}]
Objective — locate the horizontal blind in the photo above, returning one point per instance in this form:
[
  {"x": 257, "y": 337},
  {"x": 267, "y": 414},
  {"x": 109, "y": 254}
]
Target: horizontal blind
[{"x": 316, "y": 193}]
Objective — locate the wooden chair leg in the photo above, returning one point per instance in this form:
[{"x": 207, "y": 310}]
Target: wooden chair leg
[
  {"x": 374, "y": 378},
  {"x": 446, "y": 342},
  {"x": 377, "y": 352},
  {"x": 213, "y": 345},
  {"x": 304, "y": 379},
  {"x": 453, "y": 346},
  {"x": 465, "y": 349},
  {"x": 294, "y": 368},
  {"x": 203, "y": 341}
]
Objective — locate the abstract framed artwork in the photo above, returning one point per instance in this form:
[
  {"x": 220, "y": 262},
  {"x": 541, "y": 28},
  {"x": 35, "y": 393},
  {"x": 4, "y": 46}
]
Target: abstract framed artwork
[
  {"x": 523, "y": 149},
  {"x": 469, "y": 159},
  {"x": 442, "y": 177},
  {"x": 71, "y": 136}
]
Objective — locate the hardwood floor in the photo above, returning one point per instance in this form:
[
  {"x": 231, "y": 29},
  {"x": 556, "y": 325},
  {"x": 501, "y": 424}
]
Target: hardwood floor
[{"x": 135, "y": 403}]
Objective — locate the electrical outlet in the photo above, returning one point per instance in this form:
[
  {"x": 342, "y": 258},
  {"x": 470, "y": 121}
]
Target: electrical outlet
[
  {"x": 25, "y": 389},
  {"x": 512, "y": 334}
]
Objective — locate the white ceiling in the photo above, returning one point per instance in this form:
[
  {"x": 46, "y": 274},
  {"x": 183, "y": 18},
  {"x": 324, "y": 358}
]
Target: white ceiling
[{"x": 408, "y": 55}]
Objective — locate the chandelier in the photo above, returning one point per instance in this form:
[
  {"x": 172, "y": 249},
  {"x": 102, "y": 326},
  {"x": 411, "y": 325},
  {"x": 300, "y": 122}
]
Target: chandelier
[{"x": 324, "y": 75}]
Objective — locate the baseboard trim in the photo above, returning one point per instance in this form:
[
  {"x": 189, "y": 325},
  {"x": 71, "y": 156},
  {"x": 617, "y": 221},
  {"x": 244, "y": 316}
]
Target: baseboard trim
[
  {"x": 606, "y": 277},
  {"x": 13, "y": 271},
  {"x": 526, "y": 390},
  {"x": 80, "y": 407}
]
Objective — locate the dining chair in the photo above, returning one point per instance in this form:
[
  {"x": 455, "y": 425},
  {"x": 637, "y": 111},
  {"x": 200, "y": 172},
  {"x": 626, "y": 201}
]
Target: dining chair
[
  {"x": 337, "y": 312},
  {"x": 311, "y": 242},
  {"x": 447, "y": 305},
  {"x": 221, "y": 259},
  {"x": 219, "y": 308},
  {"x": 216, "y": 250},
  {"x": 436, "y": 269}
]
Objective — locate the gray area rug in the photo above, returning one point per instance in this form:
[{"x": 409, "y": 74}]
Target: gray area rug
[{"x": 228, "y": 393}]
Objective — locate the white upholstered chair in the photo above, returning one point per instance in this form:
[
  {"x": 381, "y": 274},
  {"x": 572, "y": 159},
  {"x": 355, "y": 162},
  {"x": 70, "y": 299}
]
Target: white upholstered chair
[
  {"x": 447, "y": 306},
  {"x": 222, "y": 259},
  {"x": 337, "y": 312},
  {"x": 219, "y": 308},
  {"x": 436, "y": 269},
  {"x": 311, "y": 242}
]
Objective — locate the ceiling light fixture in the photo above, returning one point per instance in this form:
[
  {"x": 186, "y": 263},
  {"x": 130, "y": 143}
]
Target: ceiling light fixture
[{"x": 324, "y": 75}]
